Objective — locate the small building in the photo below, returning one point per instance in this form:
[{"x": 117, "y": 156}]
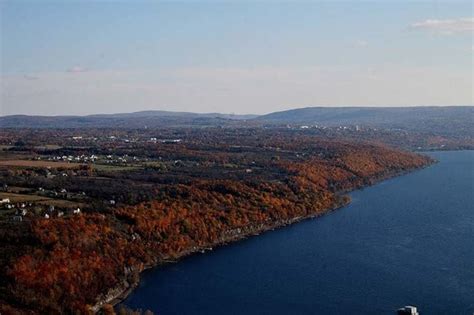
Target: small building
[
  {"x": 76, "y": 211},
  {"x": 407, "y": 310},
  {"x": 17, "y": 218},
  {"x": 5, "y": 200},
  {"x": 112, "y": 202},
  {"x": 46, "y": 216},
  {"x": 171, "y": 141}
]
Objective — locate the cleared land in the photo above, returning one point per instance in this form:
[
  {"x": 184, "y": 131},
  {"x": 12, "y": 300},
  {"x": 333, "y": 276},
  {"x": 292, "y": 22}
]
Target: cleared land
[
  {"x": 115, "y": 168},
  {"x": 41, "y": 200},
  {"x": 39, "y": 164},
  {"x": 22, "y": 197}
]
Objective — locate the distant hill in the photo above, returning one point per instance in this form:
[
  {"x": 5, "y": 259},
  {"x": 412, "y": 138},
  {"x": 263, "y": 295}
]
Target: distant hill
[
  {"x": 143, "y": 119},
  {"x": 369, "y": 115},
  {"x": 163, "y": 113},
  {"x": 448, "y": 119}
]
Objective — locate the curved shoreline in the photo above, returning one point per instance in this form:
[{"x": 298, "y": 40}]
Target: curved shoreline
[{"x": 119, "y": 293}]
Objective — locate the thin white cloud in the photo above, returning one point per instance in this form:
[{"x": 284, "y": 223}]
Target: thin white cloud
[
  {"x": 447, "y": 26},
  {"x": 360, "y": 43},
  {"x": 76, "y": 69},
  {"x": 30, "y": 77}
]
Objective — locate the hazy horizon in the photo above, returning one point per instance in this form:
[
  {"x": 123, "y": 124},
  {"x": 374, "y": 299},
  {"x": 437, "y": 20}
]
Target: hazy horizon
[
  {"x": 237, "y": 114},
  {"x": 82, "y": 58}
]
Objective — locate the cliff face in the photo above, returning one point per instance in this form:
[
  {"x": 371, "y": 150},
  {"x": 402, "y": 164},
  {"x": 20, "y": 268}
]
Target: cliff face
[{"x": 74, "y": 263}]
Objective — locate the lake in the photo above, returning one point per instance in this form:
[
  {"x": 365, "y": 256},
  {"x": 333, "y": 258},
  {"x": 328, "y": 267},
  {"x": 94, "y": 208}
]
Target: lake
[{"x": 405, "y": 241}]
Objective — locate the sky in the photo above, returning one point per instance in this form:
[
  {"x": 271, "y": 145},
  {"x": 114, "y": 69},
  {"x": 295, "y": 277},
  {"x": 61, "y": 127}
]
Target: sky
[{"x": 245, "y": 57}]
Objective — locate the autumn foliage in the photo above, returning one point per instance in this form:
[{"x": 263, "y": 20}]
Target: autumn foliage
[{"x": 66, "y": 265}]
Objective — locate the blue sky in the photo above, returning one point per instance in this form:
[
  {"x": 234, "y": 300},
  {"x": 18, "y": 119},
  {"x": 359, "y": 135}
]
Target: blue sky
[{"x": 81, "y": 57}]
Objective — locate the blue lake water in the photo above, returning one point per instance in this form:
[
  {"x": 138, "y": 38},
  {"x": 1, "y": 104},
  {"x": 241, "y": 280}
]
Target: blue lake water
[{"x": 408, "y": 240}]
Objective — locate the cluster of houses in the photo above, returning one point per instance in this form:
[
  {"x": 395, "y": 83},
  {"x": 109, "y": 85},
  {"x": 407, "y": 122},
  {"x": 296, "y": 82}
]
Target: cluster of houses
[
  {"x": 62, "y": 193},
  {"x": 165, "y": 141},
  {"x": 23, "y": 209},
  {"x": 103, "y": 138},
  {"x": 60, "y": 213},
  {"x": 52, "y": 173},
  {"x": 334, "y": 128},
  {"x": 111, "y": 159},
  {"x": 108, "y": 159},
  {"x": 145, "y": 139},
  {"x": 70, "y": 158}
]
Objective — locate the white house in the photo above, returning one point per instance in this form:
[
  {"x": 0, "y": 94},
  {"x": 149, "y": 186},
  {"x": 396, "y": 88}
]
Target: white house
[{"x": 408, "y": 310}]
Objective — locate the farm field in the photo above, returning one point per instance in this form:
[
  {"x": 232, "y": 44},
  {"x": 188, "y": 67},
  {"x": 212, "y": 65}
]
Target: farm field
[
  {"x": 115, "y": 168},
  {"x": 22, "y": 197},
  {"x": 39, "y": 164},
  {"x": 41, "y": 200}
]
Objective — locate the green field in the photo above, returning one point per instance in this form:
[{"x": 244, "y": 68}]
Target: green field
[
  {"x": 14, "y": 198},
  {"x": 115, "y": 168}
]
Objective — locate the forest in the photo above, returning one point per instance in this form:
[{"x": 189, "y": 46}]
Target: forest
[{"x": 148, "y": 197}]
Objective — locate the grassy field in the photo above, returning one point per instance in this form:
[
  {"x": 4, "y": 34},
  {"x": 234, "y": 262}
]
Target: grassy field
[
  {"x": 38, "y": 164},
  {"x": 22, "y": 198},
  {"x": 115, "y": 168},
  {"x": 14, "y": 198},
  {"x": 48, "y": 147},
  {"x": 16, "y": 189}
]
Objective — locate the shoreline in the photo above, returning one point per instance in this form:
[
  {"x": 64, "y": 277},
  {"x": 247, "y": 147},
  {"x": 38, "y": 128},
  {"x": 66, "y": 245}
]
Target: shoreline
[{"x": 118, "y": 294}]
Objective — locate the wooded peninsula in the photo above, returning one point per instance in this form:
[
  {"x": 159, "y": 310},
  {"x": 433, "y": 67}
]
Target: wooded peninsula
[{"x": 84, "y": 211}]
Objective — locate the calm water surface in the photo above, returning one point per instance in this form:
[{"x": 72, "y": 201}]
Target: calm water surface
[{"x": 408, "y": 240}]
